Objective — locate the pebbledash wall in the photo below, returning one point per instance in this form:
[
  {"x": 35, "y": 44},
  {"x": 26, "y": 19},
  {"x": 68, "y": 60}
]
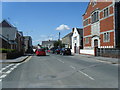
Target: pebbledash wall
[{"x": 99, "y": 26}]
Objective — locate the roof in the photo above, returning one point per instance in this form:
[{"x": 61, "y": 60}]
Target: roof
[
  {"x": 69, "y": 34},
  {"x": 27, "y": 37},
  {"x": 48, "y": 42},
  {"x": 87, "y": 8},
  {"x": 79, "y": 30},
  {"x": 5, "y": 23}
]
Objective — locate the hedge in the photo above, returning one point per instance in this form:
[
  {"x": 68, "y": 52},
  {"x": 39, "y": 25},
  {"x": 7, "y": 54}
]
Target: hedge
[{"x": 3, "y": 50}]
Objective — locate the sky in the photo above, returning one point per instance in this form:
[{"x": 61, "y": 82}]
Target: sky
[{"x": 44, "y": 20}]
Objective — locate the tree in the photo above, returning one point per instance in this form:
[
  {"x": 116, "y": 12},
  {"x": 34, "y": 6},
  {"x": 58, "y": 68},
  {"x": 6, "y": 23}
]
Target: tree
[{"x": 58, "y": 44}]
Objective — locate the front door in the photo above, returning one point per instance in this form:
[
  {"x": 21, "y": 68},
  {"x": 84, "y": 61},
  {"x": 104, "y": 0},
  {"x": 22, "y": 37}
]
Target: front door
[{"x": 95, "y": 43}]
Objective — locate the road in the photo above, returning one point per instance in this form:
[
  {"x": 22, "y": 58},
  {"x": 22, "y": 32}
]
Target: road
[{"x": 56, "y": 71}]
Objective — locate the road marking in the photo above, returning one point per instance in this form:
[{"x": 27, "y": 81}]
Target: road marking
[
  {"x": 6, "y": 67},
  {"x": 3, "y": 76},
  {"x": 27, "y": 59},
  {"x": 9, "y": 71},
  {"x": 61, "y": 61},
  {"x": 86, "y": 75},
  {"x": 72, "y": 67}
]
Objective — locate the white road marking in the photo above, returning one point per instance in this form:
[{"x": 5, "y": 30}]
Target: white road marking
[
  {"x": 72, "y": 67},
  {"x": 86, "y": 75},
  {"x": 3, "y": 76},
  {"x": 6, "y": 67},
  {"x": 9, "y": 71},
  {"x": 60, "y": 61}
]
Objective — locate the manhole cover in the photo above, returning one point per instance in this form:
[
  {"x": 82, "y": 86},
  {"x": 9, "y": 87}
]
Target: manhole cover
[
  {"x": 46, "y": 77},
  {"x": 53, "y": 76}
]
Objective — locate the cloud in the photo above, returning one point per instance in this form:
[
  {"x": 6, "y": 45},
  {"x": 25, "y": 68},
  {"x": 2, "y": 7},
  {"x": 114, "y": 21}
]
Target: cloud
[{"x": 63, "y": 27}]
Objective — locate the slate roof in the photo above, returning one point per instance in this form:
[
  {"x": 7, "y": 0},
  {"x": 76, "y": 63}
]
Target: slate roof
[
  {"x": 69, "y": 34},
  {"x": 5, "y": 23}
]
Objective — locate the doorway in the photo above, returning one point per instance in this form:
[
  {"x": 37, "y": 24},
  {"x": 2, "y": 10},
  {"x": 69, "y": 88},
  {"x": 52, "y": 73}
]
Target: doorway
[{"x": 95, "y": 43}]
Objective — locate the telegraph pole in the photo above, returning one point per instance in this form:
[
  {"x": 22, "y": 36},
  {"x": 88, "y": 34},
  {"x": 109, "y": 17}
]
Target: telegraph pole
[{"x": 59, "y": 35}]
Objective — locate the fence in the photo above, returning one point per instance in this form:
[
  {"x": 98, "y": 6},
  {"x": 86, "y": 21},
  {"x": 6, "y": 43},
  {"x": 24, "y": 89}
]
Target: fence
[{"x": 108, "y": 52}]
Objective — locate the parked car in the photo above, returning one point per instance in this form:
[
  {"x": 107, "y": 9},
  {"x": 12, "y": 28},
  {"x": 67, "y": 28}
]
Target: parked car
[
  {"x": 57, "y": 51},
  {"x": 40, "y": 52},
  {"x": 65, "y": 51},
  {"x": 52, "y": 50},
  {"x": 48, "y": 51}
]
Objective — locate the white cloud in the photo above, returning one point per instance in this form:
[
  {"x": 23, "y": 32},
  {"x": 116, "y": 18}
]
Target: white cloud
[{"x": 63, "y": 27}]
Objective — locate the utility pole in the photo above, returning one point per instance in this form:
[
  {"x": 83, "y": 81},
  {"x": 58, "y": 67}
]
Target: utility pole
[{"x": 59, "y": 35}]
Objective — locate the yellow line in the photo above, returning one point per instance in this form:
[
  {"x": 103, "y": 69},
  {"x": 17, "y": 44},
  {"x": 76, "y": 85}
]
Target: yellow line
[{"x": 28, "y": 59}]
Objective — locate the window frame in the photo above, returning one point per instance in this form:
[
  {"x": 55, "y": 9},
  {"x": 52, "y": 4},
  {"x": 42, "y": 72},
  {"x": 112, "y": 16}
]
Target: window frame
[
  {"x": 106, "y": 37},
  {"x": 86, "y": 22},
  {"x": 95, "y": 16},
  {"x": 87, "y": 40},
  {"x": 94, "y": 2},
  {"x": 106, "y": 12}
]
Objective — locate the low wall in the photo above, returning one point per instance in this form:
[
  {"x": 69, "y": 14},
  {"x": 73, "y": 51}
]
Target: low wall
[
  {"x": 87, "y": 51},
  {"x": 3, "y": 56},
  {"x": 13, "y": 55},
  {"x": 108, "y": 52}
]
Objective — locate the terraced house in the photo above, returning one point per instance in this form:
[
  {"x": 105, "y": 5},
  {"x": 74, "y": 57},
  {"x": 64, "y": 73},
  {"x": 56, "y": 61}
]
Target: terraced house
[{"x": 102, "y": 24}]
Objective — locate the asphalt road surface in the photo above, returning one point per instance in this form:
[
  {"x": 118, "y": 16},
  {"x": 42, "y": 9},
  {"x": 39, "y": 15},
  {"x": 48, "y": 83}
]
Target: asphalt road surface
[{"x": 57, "y": 71}]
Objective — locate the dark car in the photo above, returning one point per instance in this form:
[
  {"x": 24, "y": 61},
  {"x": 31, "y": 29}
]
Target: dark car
[
  {"x": 40, "y": 52},
  {"x": 65, "y": 51},
  {"x": 52, "y": 50},
  {"x": 57, "y": 51}
]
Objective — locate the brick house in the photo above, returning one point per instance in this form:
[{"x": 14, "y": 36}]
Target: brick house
[
  {"x": 28, "y": 44},
  {"x": 101, "y": 23},
  {"x": 8, "y": 35},
  {"x": 20, "y": 42}
]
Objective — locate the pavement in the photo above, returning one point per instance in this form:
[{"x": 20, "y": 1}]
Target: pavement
[
  {"x": 102, "y": 59},
  {"x": 16, "y": 60}
]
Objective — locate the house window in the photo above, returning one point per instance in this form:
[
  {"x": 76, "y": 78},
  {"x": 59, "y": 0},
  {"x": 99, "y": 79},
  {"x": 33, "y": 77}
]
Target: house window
[
  {"x": 86, "y": 22},
  {"x": 87, "y": 40},
  {"x": 106, "y": 12},
  {"x": 106, "y": 37},
  {"x": 75, "y": 38},
  {"x": 94, "y": 3},
  {"x": 95, "y": 17}
]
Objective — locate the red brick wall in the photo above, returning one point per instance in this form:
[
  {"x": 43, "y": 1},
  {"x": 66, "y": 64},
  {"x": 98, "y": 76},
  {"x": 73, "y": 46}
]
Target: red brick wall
[
  {"x": 111, "y": 10},
  {"x": 107, "y": 24},
  {"x": 111, "y": 43},
  {"x": 87, "y": 31},
  {"x": 99, "y": 5},
  {"x": 88, "y": 44}
]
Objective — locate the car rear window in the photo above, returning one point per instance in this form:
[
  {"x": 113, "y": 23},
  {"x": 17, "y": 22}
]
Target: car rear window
[{"x": 41, "y": 50}]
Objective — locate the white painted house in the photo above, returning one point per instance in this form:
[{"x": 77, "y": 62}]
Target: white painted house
[{"x": 77, "y": 40}]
